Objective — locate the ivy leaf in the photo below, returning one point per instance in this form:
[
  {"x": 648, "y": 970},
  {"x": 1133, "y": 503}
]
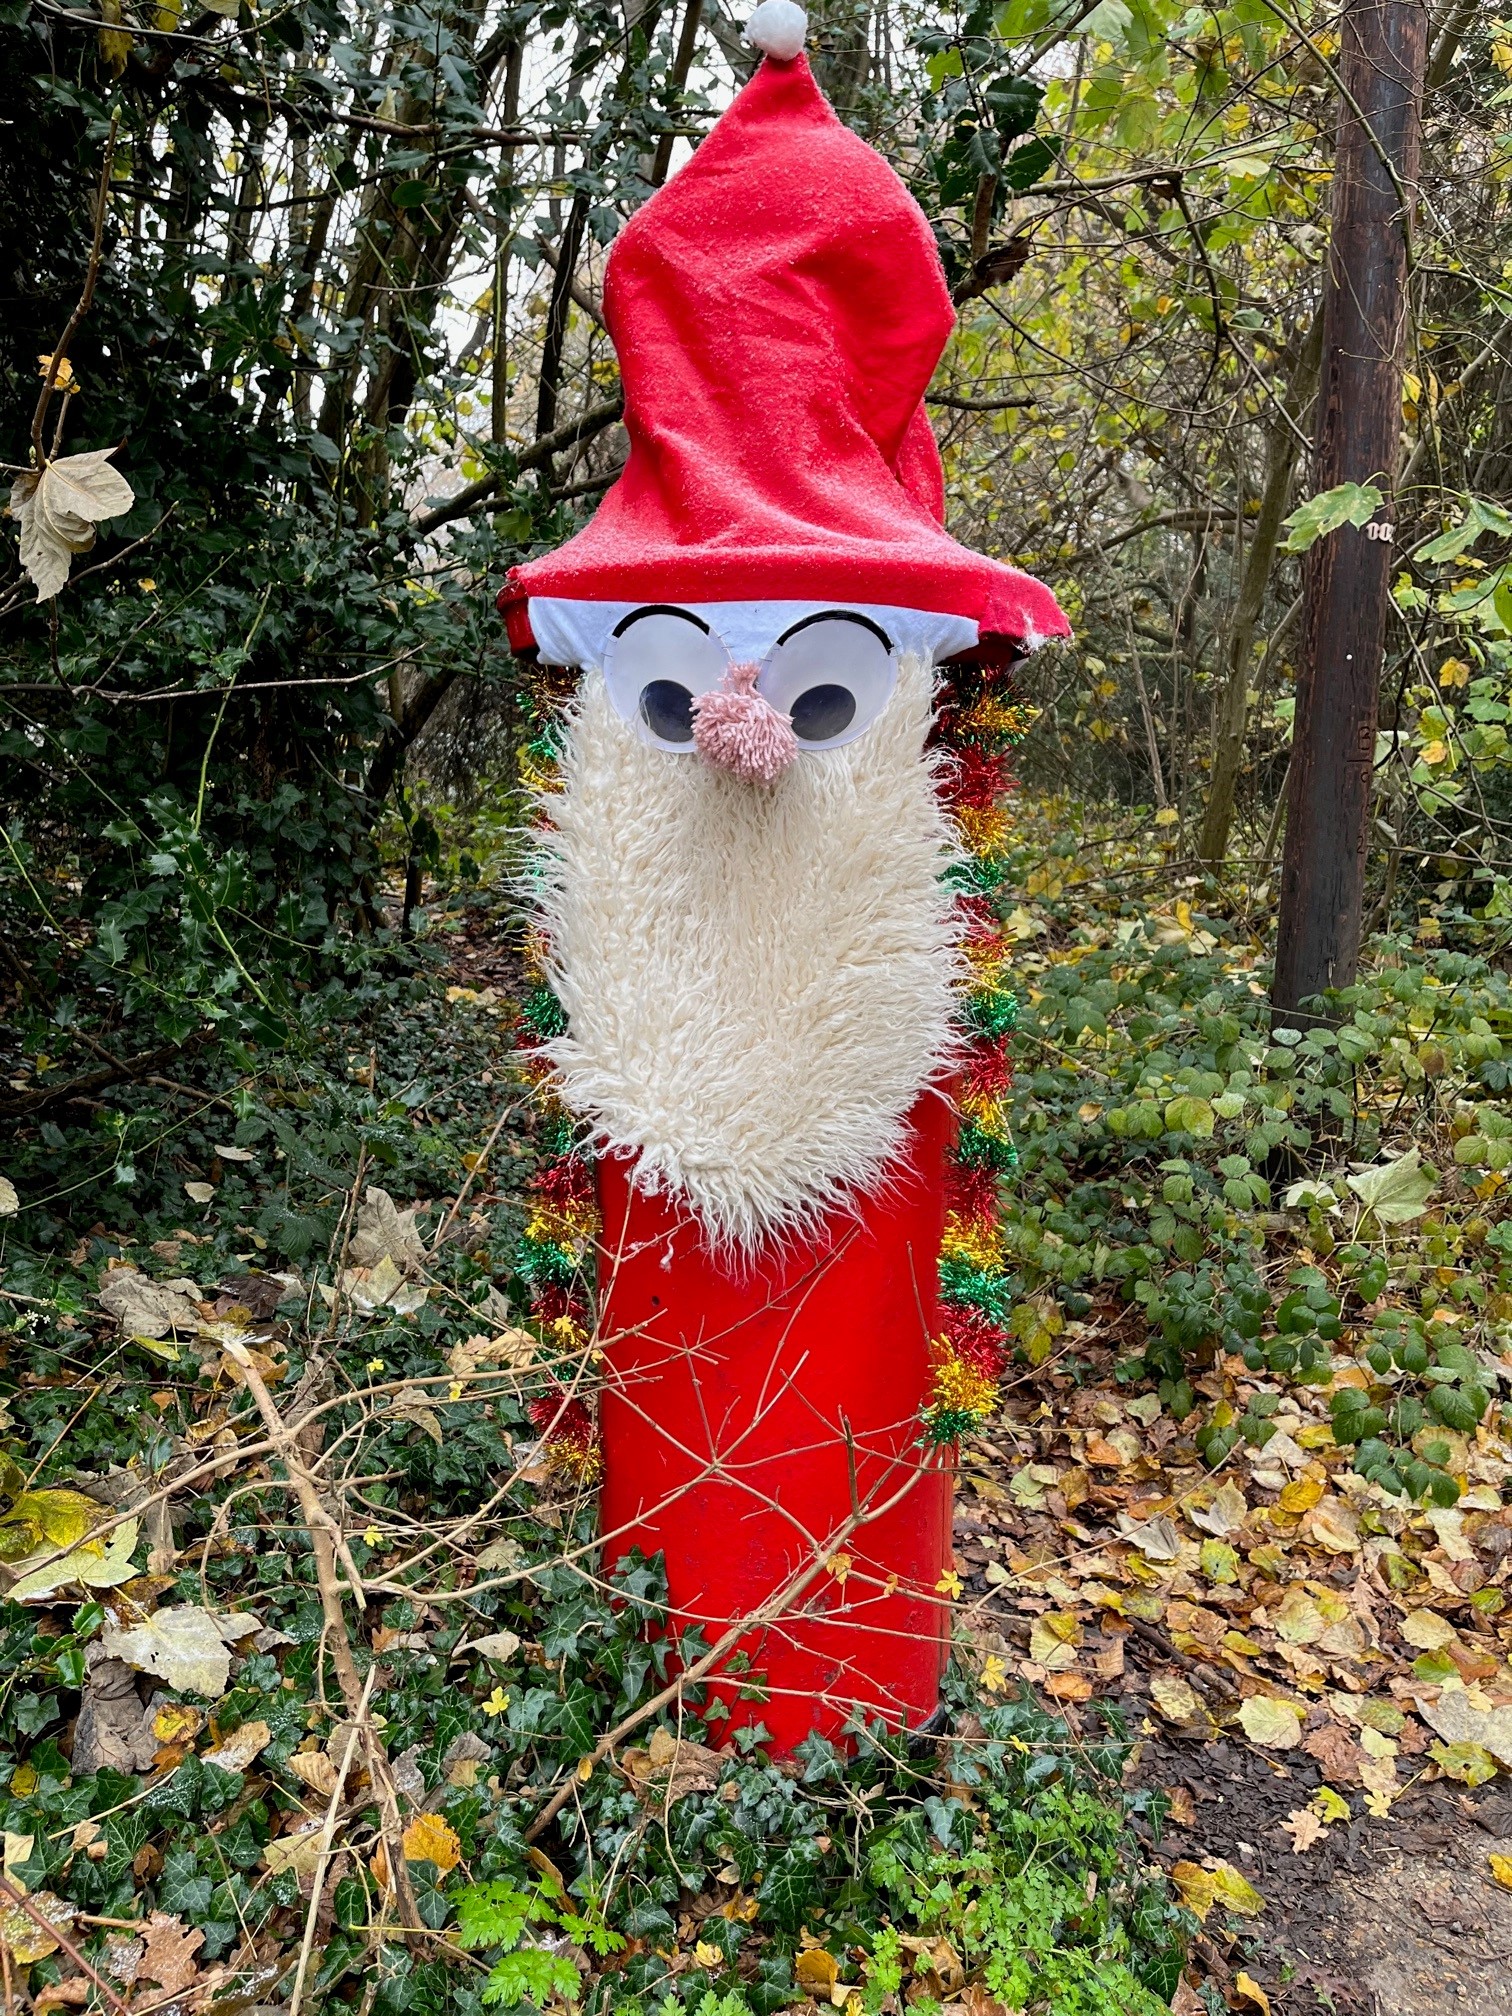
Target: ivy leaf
[
  {"x": 789, "y": 1886},
  {"x": 1345, "y": 504}
]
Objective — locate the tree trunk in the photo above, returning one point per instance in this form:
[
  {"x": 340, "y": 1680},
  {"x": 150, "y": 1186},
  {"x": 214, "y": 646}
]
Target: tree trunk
[
  {"x": 1281, "y": 462},
  {"x": 1347, "y": 573}
]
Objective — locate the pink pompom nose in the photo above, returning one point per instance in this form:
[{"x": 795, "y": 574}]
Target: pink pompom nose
[{"x": 740, "y": 730}]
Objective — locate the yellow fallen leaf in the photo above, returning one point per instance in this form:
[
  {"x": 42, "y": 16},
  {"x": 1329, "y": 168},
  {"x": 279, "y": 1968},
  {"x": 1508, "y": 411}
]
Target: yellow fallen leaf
[
  {"x": 1194, "y": 1886},
  {"x": 1053, "y": 1640},
  {"x": 1273, "y": 1724},
  {"x": 707, "y": 1954},
  {"x": 1301, "y": 1494},
  {"x": 1427, "y": 1630},
  {"x": 817, "y": 1971},
  {"x": 1175, "y": 1700},
  {"x": 1235, "y": 1892},
  {"x": 1501, "y": 1869},
  {"x": 1251, "y": 1995},
  {"x": 430, "y": 1838},
  {"x": 1333, "y": 1525}
]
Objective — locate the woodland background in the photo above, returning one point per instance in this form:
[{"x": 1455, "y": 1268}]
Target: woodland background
[{"x": 262, "y": 1155}]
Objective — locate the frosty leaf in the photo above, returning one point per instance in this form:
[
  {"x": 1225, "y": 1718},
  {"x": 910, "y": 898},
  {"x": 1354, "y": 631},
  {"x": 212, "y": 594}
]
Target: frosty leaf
[
  {"x": 384, "y": 1232},
  {"x": 58, "y": 509},
  {"x": 146, "y": 1308},
  {"x": 199, "y": 1193},
  {"x": 1273, "y": 1724},
  {"x": 24, "y": 1938},
  {"x": 1397, "y": 1191},
  {"x": 10, "y": 1203},
  {"x": 235, "y": 1154},
  {"x": 170, "y": 1947},
  {"x": 94, "y": 1564},
  {"x": 181, "y": 1644}
]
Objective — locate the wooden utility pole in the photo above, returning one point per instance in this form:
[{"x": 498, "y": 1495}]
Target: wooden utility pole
[{"x": 1347, "y": 574}]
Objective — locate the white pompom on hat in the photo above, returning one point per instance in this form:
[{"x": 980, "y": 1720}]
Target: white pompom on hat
[{"x": 778, "y": 28}]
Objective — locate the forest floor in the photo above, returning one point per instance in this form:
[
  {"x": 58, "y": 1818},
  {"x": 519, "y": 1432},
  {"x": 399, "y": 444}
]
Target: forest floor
[{"x": 1312, "y": 1669}]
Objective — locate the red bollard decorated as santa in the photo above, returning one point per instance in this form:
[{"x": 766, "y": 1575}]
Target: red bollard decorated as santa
[{"x": 772, "y": 1020}]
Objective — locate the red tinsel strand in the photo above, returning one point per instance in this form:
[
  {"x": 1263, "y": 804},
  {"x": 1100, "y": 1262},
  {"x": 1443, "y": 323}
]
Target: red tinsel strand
[
  {"x": 975, "y": 1339},
  {"x": 976, "y": 779},
  {"x": 562, "y": 1420},
  {"x": 549, "y": 1304},
  {"x": 568, "y": 1180},
  {"x": 971, "y": 1195},
  {"x": 987, "y": 1069}
]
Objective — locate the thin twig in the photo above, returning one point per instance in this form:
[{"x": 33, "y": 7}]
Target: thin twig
[
  {"x": 327, "y": 1833},
  {"x": 60, "y": 350}
]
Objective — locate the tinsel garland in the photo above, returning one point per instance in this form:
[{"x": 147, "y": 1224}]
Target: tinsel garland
[
  {"x": 556, "y": 1262},
  {"x": 979, "y": 723}
]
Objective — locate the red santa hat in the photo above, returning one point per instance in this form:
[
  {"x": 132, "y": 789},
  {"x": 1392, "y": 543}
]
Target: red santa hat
[{"x": 778, "y": 309}]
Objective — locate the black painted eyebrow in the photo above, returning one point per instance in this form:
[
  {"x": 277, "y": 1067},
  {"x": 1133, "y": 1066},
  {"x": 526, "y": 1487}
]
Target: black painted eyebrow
[
  {"x": 661, "y": 609},
  {"x": 837, "y": 616}
]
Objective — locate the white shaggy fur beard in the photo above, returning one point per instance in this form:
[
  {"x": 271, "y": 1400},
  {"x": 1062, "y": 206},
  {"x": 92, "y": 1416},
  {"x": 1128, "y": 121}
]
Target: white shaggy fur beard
[{"x": 758, "y": 982}]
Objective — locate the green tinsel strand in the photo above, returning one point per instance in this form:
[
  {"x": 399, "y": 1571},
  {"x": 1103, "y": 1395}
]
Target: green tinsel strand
[
  {"x": 546, "y": 748},
  {"x": 972, "y": 1287},
  {"x": 542, "y": 1263},
  {"x": 972, "y": 876},
  {"x": 977, "y": 1149},
  {"x": 993, "y": 1012},
  {"x": 543, "y": 1015},
  {"x": 558, "y": 1137},
  {"x": 948, "y": 1424}
]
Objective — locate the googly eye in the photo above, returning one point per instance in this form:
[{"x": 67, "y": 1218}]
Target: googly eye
[
  {"x": 658, "y": 662},
  {"x": 833, "y": 674}
]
